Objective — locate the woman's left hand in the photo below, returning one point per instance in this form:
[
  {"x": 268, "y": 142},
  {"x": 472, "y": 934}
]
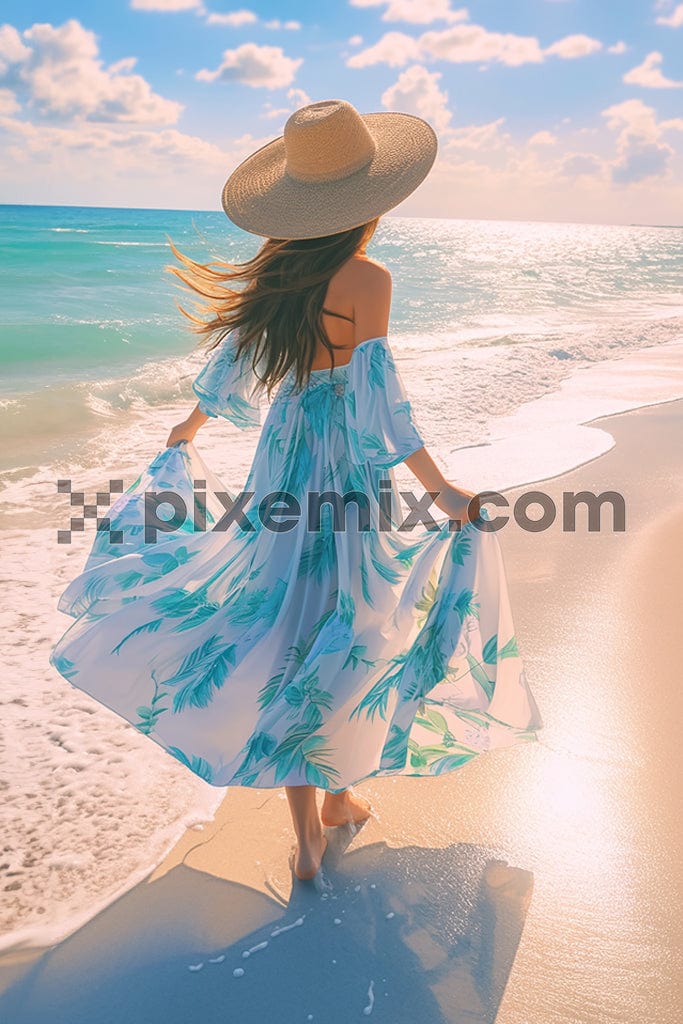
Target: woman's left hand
[{"x": 181, "y": 432}]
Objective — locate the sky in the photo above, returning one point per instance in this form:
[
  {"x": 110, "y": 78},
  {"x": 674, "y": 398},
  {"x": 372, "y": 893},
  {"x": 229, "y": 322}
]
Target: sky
[{"x": 553, "y": 110}]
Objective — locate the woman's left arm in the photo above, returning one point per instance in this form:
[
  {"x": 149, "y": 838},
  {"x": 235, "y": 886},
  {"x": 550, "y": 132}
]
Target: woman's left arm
[{"x": 186, "y": 430}]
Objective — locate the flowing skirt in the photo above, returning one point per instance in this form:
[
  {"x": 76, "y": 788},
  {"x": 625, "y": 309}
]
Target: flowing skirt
[{"x": 294, "y": 656}]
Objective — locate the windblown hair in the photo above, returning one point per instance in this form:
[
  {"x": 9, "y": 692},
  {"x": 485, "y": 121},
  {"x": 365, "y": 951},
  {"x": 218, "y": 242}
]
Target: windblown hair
[{"x": 278, "y": 313}]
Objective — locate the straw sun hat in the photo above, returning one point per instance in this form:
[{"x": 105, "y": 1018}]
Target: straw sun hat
[{"x": 333, "y": 169}]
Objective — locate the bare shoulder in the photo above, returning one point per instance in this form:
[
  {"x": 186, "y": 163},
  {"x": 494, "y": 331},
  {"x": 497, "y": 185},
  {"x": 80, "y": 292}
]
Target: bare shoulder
[
  {"x": 370, "y": 284},
  {"x": 368, "y": 272}
]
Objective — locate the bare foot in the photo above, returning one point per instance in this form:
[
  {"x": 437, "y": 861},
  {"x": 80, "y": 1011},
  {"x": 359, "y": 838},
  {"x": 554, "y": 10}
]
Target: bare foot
[
  {"x": 344, "y": 809},
  {"x": 307, "y": 857}
]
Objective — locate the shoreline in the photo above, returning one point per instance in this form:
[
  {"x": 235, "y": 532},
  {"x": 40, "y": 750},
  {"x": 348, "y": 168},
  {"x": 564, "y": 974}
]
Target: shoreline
[
  {"x": 562, "y": 427},
  {"x": 541, "y": 597}
]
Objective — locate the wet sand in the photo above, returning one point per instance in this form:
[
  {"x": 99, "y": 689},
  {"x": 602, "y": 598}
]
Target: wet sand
[{"x": 535, "y": 885}]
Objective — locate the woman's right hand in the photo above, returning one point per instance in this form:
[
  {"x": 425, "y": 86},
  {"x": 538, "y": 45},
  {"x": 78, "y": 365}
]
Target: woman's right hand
[{"x": 457, "y": 503}]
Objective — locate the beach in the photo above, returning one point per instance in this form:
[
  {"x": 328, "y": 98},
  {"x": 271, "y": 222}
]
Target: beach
[{"x": 535, "y": 885}]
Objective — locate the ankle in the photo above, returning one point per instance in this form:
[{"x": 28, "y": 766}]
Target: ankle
[
  {"x": 310, "y": 833},
  {"x": 337, "y": 797}
]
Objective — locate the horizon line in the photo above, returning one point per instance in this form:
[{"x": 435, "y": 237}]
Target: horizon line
[{"x": 502, "y": 220}]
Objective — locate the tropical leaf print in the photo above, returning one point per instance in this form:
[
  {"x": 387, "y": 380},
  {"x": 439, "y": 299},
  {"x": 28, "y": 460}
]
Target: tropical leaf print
[
  {"x": 425, "y": 602},
  {"x": 448, "y": 763},
  {"x": 355, "y": 658},
  {"x": 491, "y": 654},
  {"x": 376, "y": 700},
  {"x": 127, "y": 580},
  {"x": 202, "y": 671},
  {"x": 395, "y": 749},
  {"x": 146, "y": 627},
  {"x": 247, "y": 607},
  {"x": 301, "y": 753},
  {"x": 510, "y": 649},
  {"x": 381, "y": 563},
  {"x": 163, "y": 562},
  {"x": 268, "y": 693},
  {"x": 461, "y": 547},
  {"x": 490, "y": 649},
  {"x": 275, "y": 448},
  {"x": 435, "y": 722},
  {"x": 149, "y": 714},
  {"x": 376, "y": 371},
  {"x": 65, "y": 667},
  {"x": 466, "y": 605},
  {"x": 198, "y": 765},
  {"x": 346, "y": 608},
  {"x": 319, "y": 555},
  {"x": 178, "y": 603},
  {"x": 259, "y": 747},
  {"x": 372, "y": 643},
  {"x": 407, "y": 555}
]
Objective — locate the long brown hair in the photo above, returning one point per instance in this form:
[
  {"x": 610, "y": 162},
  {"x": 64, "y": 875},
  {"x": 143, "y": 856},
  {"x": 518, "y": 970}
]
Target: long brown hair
[{"x": 279, "y": 311}]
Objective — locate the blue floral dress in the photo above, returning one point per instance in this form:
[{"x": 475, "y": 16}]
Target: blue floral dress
[{"x": 279, "y": 640}]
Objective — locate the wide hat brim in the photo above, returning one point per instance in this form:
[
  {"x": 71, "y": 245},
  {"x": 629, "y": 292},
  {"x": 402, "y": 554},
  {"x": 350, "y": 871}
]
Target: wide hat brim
[{"x": 262, "y": 198}]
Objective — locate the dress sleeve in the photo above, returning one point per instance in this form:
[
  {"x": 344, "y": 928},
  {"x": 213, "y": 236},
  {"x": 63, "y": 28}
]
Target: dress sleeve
[
  {"x": 226, "y": 386},
  {"x": 380, "y": 422}
]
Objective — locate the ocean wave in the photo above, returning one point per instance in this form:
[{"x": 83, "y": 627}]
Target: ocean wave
[
  {"x": 147, "y": 245},
  {"x": 72, "y": 231},
  {"x": 108, "y": 804}
]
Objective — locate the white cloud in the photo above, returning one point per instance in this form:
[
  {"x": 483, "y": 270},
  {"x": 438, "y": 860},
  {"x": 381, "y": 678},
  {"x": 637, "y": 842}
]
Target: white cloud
[
  {"x": 236, "y": 19},
  {"x": 617, "y": 48},
  {"x": 464, "y": 43},
  {"x": 635, "y": 119},
  {"x": 58, "y": 72},
  {"x": 543, "y": 138},
  {"x": 394, "y": 49},
  {"x": 276, "y": 23},
  {"x": 232, "y": 19},
  {"x": 355, "y": 40},
  {"x": 649, "y": 74},
  {"x": 641, "y": 160},
  {"x": 484, "y": 137},
  {"x": 673, "y": 20},
  {"x": 576, "y": 165},
  {"x": 297, "y": 98},
  {"x": 165, "y": 5},
  {"x": 8, "y": 102},
  {"x": 258, "y": 66},
  {"x": 641, "y": 151},
  {"x": 632, "y": 118},
  {"x": 572, "y": 47},
  {"x": 482, "y": 172},
  {"x": 419, "y": 12},
  {"x": 128, "y": 147},
  {"x": 12, "y": 50},
  {"x": 135, "y": 167},
  {"x": 468, "y": 43},
  {"x": 417, "y": 92}
]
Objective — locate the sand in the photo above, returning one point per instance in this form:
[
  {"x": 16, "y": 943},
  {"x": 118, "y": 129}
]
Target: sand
[{"x": 535, "y": 885}]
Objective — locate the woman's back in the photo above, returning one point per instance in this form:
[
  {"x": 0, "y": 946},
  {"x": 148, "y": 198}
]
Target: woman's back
[{"x": 360, "y": 292}]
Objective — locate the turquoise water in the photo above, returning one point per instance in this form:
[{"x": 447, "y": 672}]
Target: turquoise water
[
  {"x": 84, "y": 292},
  {"x": 487, "y": 317}
]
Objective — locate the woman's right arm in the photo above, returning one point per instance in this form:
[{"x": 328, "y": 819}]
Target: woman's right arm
[{"x": 372, "y": 303}]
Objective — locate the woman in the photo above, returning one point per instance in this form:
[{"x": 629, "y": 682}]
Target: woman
[{"x": 310, "y": 639}]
